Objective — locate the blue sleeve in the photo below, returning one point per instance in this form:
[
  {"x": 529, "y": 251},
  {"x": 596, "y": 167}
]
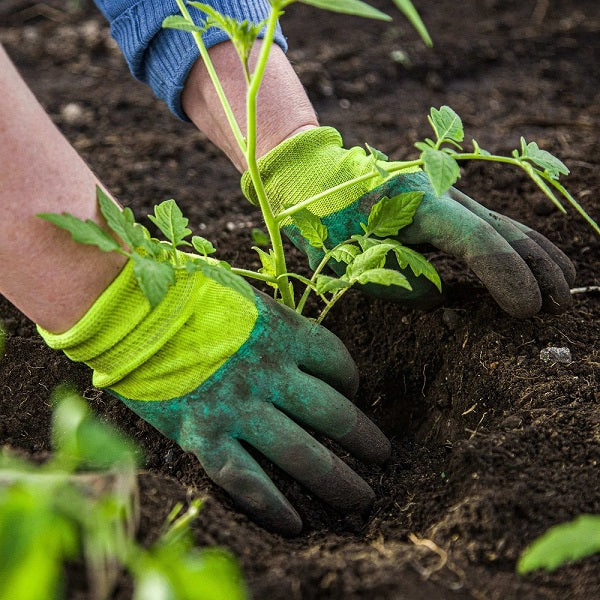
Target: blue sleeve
[{"x": 162, "y": 58}]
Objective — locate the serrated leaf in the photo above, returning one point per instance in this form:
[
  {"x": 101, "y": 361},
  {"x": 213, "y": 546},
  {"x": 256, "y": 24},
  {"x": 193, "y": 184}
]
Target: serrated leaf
[
  {"x": 259, "y": 237},
  {"x": 410, "y": 12},
  {"x": 446, "y": 124},
  {"x": 563, "y": 543},
  {"x": 345, "y": 253},
  {"x": 389, "y": 215},
  {"x": 443, "y": 170},
  {"x": 326, "y": 284},
  {"x": 349, "y": 7},
  {"x": 310, "y": 227},
  {"x": 363, "y": 241},
  {"x": 376, "y": 154},
  {"x": 229, "y": 279},
  {"x": 542, "y": 158},
  {"x": 153, "y": 277},
  {"x": 419, "y": 265},
  {"x": 267, "y": 260},
  {"x": 120, "y": 221},
  {"x": 170, "y": 220},
  {"x": 84, "y": 232},
  {"x": 384, "y": 277},
  {"x": 422, "y": 146},
  {"x": 179, "y": 22},
  {"x": 202, "y": 245},
  {"x": 371, "y": 258}
]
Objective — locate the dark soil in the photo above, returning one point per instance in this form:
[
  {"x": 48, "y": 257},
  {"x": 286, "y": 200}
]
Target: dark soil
[{"x": 491, "y": 445}]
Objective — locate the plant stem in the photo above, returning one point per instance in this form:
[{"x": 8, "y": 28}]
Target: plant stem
[
  {"x": 284, "y": 214},
  {"x": 235, "y": 128},
  {"x": 331, "y": 303},
  {"x": 254, "y": 275},
  {"x": 316, "y": 272},
  {"x": 268, "y": 216}
]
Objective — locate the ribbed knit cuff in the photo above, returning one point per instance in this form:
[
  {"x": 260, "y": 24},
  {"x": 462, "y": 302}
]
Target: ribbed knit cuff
[
  {"x": 162, "y": 58},
  {"x": 121, "y": 331}
]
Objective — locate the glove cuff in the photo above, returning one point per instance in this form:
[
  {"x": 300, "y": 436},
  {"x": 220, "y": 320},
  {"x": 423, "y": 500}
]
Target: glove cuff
[
  {"x": 308, "y": 163},
  {"x": 147, "y": 353}
]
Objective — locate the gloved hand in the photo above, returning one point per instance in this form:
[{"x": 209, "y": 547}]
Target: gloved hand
[
  {"x": 522, "y": 270},
  {"x": 209, "y": 367}
]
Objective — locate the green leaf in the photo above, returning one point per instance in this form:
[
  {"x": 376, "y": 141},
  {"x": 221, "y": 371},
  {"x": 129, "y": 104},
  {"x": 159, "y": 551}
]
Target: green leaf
[
  {"x": 365, "y": 242},
  {"x": 409, "y": 11},
  {"x": 202, "y": 245},
  {"x": 376, "y": 154},
  {"x": 419, "y": 265},
  {"x": 479, "y": 150},
  {"x": 259, "y": 237},
  {"x": 389, "y": 215},
  {"x": 228, "y": 279},
  {"x": 542, "y": 158},
  {"x": 153, "y": 277},
  {"x": 170, "y": 220},
  {"x": 443, "y": 170},
  {"x": 446, "y": 124},
  {"x": 350, "y": 7},
  {"x": 326, "y": 284},
  {"x": 120, "y": 221},
  {"x": 561, "y": 544},
  {"x": 422, "y": 146},
  {"x": 384, "y": 277},
  {"x": 267, "y": 260},
  {"x": 371, "y": 258},
  {"x": 85, "y": 232},
  {"x": 345, "y": 253},
  {"x": 179, "y": 22},
  {"x": 310, "y": 227}
]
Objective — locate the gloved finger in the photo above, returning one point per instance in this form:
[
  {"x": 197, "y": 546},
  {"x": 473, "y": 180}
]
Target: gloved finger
[
  {"x": 321, "y": 353},
  {"x": 556, "y": 297},
  {"x": 557, "y": 255},
  {"x": 322, "y": 408},
  {"x": 296, "y": 452},
  {"x": 455, "y": 229},
  {"x": 234, "y": 470}
]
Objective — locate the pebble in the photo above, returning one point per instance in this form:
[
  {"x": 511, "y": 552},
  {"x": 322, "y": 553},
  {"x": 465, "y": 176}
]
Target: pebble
[{"x": 555, "y": 354}]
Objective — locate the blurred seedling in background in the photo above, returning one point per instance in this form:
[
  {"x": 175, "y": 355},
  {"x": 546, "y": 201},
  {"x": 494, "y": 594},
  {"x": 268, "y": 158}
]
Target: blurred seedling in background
[{"x": 82, "y": 505}]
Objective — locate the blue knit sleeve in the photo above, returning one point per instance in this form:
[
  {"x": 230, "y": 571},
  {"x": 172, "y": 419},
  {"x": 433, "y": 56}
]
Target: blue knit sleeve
[{"x": 162, "y": 58}]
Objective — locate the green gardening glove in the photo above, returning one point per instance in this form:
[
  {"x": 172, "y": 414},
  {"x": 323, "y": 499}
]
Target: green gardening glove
[
  {"x": 210, "y": 368},
  {"x": 522, "y": 270}
]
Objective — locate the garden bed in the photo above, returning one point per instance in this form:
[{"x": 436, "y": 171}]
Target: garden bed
[{"x": 491, "y": 445}]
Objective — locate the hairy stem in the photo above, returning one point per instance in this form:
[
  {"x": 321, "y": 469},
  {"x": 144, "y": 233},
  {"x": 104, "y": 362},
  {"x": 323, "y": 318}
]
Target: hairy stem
[
  {"x": 235, "y": 128},
  {"x": 268, "y": 216}
]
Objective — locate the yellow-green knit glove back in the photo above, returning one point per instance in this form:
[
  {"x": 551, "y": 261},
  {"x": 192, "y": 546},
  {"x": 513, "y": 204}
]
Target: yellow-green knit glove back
[{"x": 157, "y": 354}]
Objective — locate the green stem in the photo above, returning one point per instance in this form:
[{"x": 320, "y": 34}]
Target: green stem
[
  {"x": 284, "y": 214},
  {"x": 235, "y": 128},
  {"x": 331, "y": 303},
  {"x": 254, "y": 275},
  {"x": 316, "y": 272},
  {"x": 268, "y": 216}
]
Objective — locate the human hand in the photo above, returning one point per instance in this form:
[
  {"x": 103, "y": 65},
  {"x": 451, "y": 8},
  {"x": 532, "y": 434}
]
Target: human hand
[
  {"x": 211, "y": 368},
  {"x": 522, "y": 270}
]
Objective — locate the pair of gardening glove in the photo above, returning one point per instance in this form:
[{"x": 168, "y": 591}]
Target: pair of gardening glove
[
  {"x": 212, "y": 369},
  {"x": 522, "y": 270}
]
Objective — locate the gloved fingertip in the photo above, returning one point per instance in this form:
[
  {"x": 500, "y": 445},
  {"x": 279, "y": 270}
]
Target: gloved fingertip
[
  {"x": 344, "y": 490},
  {"x": 366, "y": 441},
  {"x": 510, "y": 282},
  {"x": 556, "y": 254},
  {"x": 285, "y": 522}
]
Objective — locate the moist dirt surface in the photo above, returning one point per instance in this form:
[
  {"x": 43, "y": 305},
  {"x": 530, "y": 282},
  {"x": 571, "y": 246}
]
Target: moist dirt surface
[{"x": 491, "y": 445}]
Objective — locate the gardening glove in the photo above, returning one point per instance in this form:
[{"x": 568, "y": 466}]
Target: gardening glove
[
  {"x": 522, "y": 270},
  {"x": 211, "y": 368}
]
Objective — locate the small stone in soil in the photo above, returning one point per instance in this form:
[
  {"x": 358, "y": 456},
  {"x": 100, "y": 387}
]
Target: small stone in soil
[{"x": 554, "y": 354}]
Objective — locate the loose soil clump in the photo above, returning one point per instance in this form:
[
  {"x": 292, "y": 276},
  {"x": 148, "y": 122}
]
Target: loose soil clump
[{"x": 491, "y": 445}]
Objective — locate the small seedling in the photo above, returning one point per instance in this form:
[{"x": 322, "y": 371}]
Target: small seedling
[
  {"x": 364, "y": 256},
  {"x": 82, "y": 505},
  {"x": 562, "y": 544}
]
